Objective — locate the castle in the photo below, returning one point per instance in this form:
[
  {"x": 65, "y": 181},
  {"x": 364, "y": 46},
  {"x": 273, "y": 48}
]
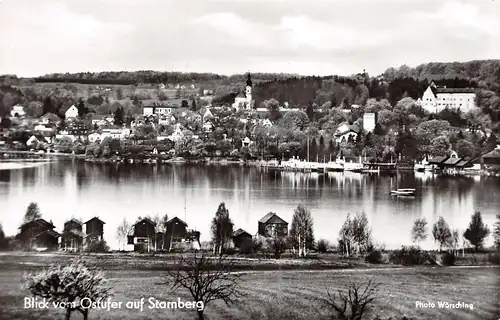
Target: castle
[{"x": 436, "y": 99}]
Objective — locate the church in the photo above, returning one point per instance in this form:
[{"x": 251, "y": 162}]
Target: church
[{"x": 244, "y": 99}]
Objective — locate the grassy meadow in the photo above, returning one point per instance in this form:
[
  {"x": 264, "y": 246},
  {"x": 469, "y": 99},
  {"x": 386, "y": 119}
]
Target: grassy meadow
[{"x": 275, "y": 294}]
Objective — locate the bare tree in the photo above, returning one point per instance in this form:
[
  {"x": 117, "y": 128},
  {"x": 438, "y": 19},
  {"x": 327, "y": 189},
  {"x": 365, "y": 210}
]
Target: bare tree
[
  {"x": 67, "y": 285},
  {"x": 345, "y": 236},
  {"x": 353, "y": 304},
  {"x": 206, "y": 279},
  {"x": 122, "y": 232},
  {"x": 419, "y": 230},
  {"x": 454, "y": 241},
  {"x": 301, "y": 231},
  {"x": 277, "y": 245}
]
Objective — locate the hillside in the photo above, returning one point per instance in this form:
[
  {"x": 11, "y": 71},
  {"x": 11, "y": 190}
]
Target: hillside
[{"x": 394, "y": 84}]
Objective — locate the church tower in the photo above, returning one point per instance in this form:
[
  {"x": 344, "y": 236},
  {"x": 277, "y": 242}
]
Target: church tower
[{"x": 248, "y": 91}]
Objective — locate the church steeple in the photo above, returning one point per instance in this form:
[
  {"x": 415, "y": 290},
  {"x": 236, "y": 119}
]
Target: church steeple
[{"x": 249, "y": 80}]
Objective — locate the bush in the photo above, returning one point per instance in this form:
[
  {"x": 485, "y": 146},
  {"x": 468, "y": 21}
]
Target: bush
[
  {"x": 98, "y": 246},
  {"x": 448, "y": 259},
  {"x": 410, "y": 256},
  {"x": 374, "y": 257},
  {"x": 494, "y": 258},
  {"x": 250, "y": 247},
  {"x": 323, "y": 246}
]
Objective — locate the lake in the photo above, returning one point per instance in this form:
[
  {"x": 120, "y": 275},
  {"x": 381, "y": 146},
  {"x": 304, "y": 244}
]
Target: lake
[{"x": 66, "y": 189}]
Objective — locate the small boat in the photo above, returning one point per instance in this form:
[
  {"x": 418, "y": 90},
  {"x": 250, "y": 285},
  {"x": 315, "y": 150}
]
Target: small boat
[{"x": 403, "y": 192}]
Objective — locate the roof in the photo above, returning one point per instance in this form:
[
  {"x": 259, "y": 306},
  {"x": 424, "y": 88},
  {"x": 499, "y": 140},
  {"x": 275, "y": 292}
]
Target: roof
[
  {"x": 241, "y": 95},
  {"x": 268, "y": 217},
  {"x": 148, "y": 220},
  {"x": 41, "y": 222},
  {"x": 96, "y": 218},
  {"x": 240, "y": 232},
  {"x": 492, "y": 154},
  {"x": 452, "y": 161},
  {"x": 462, "y": 163},
  {"x": 74, "y": 220},
  {"x": 176, "y": 219},
  {"x": 438, "y": 160},
  {"x": 455, "y": 90},
  {"x": 53, "y": 233},
  {"x": 350, "y": 128}
]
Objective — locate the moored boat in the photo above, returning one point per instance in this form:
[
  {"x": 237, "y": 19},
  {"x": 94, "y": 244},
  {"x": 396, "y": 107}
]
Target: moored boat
[{"x": 403, "y": 192}]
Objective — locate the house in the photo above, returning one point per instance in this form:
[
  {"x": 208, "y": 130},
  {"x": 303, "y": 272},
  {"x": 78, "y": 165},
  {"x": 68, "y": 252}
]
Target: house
[
  {"x": 143, "y": 236},
  {"x": 266, "y": 123},
  {"x": 49, "y": 118},
  {"x": 369, "y": 122},
  {"x": 208, "y": 125},
  {"x": 72, "y": 236},
  {"x": 32, "y": 141},
  {"x": 272, "y": 226},
  {"x": 208, "y": 114},
  {"x": 208, "y": 92},
  {"x": 246, "y": 142},
  {"x": 345, "y": 132},
  {"x": 178, "y": 236},
  {"x": 94, "y": 229},
  {"x": 72, "y": 112},
  {"x": 241, "y": 238},
  {"x": 43, "y": 128},
  {"x": 17, "y": 111},
  {"x": 492, "y": 158},
  {"x": 93, "y": 137},
  {"x": 39, "y": 235},
  {"x": 436, "y": 99},
  {"x": 166, "y": 120}
]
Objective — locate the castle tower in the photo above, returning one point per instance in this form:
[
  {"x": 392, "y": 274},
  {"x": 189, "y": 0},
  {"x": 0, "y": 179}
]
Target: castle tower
[{"x": 248, "y": 91}]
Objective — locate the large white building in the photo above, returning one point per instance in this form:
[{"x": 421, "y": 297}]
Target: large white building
[
  {"x": 17, "y": 111},
  {"x": 244, "y": 99},
  {"x": 369, "y": 121},
  {"x": 72, "y": 112},
  {"x": 436, "y": 99}
]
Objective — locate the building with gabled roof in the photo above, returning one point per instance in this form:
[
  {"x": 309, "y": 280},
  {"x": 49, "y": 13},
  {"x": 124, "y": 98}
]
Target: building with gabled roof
[
  {"x": 436, "y": 99},
  {"x": 271, "y": 225}
]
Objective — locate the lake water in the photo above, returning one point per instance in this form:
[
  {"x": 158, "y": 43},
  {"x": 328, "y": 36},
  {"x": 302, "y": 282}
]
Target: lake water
[{"x": 68, "y": 189}]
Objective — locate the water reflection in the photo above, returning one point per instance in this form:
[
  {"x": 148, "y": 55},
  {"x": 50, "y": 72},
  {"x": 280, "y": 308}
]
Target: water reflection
[{"x": 117, "y": 191}]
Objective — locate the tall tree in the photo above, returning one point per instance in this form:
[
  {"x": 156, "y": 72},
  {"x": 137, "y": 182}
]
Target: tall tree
[
  {"x": 496, "y": 232},
  {"x": 419, "y": 230},
  {"x": 301, "y": 231},
  {"x": 48, "y": 106},
  {"x": 477, "y": 231},
  {"x": 4, "y": 243},
  {"x": 32, "y": 212},
  {"x": 441, "y": 232},
  {"x": 193, "y": 105},
  {"x": 119, "y": 116},
  {"x": 222, "y": 229},
  {"x": 361, "y": 233},
  {"x": 82, "y": 109}
]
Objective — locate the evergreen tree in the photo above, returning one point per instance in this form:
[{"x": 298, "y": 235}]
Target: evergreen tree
[
  {"x": 82, "y": 110},
  {"x": 119, "y": 116},
  {"x": 193, "y": 105},
  {"x": 48, "y": 106},
  {"x": 477, "y": 231}
]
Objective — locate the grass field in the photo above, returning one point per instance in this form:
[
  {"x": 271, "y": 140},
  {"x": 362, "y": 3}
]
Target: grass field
[{"x": 284, "y": 294}]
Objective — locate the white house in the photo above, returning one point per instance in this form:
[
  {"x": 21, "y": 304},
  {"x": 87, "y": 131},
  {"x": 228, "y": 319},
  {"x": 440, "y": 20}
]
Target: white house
[
  {"x": 17, "y": 111},
  {"x": 345, "y": 132},
  {"x": 32, "y": 141},
  {"x": 369, "y": 121},
  {"x": 244, "y": 99},
  {"x": 436, "y": 99},
  {"x": 266, "y": 123},
  {"x": 42, "y": 128},
  {"x": 72, "y": 112},
  {"x": 93, "y": 137},
  {"x": 208, "y": 125}
]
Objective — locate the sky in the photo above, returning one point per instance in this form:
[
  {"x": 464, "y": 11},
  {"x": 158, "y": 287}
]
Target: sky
[{"x": 308, "y": 37}]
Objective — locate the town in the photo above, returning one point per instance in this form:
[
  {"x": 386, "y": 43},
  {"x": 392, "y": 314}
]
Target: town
[{"x": 444, "y": 130}]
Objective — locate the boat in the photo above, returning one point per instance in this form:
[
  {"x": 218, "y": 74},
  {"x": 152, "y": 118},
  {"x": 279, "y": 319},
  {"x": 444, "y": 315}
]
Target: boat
[
  {"x": 353, "y": 166},
  {"x": 403, "y": 192},
  {"x": 423, "y": 166}
]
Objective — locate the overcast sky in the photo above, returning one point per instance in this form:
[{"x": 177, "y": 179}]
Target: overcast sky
[{"x": 307, "y": 37}]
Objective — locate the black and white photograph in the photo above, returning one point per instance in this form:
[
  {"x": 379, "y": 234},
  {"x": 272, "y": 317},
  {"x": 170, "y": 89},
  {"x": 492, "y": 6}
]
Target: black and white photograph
[{"x": 249, "y": 159}]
